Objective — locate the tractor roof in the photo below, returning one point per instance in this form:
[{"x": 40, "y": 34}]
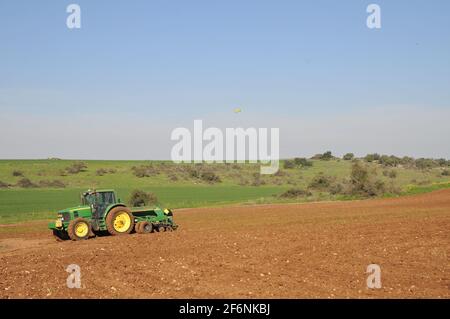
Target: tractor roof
[{"x": 90, "y": 191}]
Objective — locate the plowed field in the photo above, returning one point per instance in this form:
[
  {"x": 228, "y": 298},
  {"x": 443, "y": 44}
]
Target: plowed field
[{"x": 269, "y": 251}]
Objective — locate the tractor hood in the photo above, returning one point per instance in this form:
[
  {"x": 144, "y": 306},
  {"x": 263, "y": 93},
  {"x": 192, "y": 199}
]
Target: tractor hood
[{"x": 73, "y": 209}]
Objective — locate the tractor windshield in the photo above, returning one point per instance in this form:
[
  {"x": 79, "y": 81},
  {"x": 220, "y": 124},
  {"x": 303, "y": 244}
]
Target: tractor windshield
[{"x": 99, "y": 198}]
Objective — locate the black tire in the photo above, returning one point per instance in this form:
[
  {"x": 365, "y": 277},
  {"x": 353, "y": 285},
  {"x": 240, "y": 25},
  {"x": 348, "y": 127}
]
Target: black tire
[
  {"x": 161, "y": 229},
  {"x": 146, "y": 228},
  {"x": 74, "y": 225},
  {"x": 111, "y": 218},
  {"x": 137, "y": 227},
  {"x": 60, "y": 235}
]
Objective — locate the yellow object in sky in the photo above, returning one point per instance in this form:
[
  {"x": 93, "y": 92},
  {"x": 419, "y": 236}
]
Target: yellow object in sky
[{"x": 237, "y": 110}]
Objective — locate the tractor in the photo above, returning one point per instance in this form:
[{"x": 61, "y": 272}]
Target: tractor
[{"x": 101, "y": 212}]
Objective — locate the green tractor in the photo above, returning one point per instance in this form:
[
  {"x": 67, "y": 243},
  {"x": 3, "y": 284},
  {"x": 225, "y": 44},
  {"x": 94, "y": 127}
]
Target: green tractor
[{"x": 100, "y": 211}]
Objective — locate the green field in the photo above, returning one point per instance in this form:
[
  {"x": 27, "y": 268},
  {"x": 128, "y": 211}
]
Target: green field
[{"x": 174, "y": 185}]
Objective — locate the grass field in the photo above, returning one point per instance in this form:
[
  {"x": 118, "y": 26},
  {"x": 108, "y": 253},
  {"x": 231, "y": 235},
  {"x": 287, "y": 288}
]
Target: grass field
[{"x": 173, "y": 184}]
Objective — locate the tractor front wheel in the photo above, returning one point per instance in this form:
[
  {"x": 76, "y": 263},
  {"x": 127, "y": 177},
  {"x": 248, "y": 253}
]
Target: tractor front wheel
[
  {"x": 120, "y": 221},
  {"x": 60, "y": 235},
  {"x": 79, "y": 229}
]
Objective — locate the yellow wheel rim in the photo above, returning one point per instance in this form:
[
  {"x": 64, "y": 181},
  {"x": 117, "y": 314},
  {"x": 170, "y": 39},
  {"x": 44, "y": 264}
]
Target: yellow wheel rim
[
  {"x": 81, "y": 229},
  {"x": 122, "y": 222}
]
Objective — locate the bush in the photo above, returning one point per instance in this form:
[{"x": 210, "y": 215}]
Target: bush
[
  {"x": 445, "y": 172},
  {"x": 407, "y": 161},
  {"x": 295, "y": 193},
  {"x": 389, "y": 161},
  {"x": 426, "y": 163},
  {"x": 364, "y": 183},
  {"x": 17, "y": 173},
  {"x": 348, "y": 157},
  {"x": 76, "y": 168},
  {"x": 210, "y": 177},
  {"x": 288, "y": 164},
  {"x": 25, "y": 183},
  {"x": 257, "y": 181},
  {"x": 322, "y": 182},
  {"x": 52, "y": 184},
  {"x": 372, "y": 157},
  {"x": 144, "y": 171},
  {"x": 101, "y": 172},
  {"x": 392, "y": 174},
  {"x": 140, "y": 198},
  {"x": 302, "y": 162},
  {"x": 3, "y": 185},
  {"x": 327, "y": 156},
  {"x": 200, "y": 172}
]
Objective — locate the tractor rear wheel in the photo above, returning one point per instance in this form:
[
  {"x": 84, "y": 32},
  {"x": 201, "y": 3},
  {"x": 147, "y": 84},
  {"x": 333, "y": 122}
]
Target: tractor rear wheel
[
  {"x": 120, "y": 221},
  {"x": 79, "y": 229}
]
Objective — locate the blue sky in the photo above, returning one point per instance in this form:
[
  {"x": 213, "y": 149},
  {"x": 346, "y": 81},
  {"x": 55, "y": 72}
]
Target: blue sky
[{"x": 166, "y": 63}]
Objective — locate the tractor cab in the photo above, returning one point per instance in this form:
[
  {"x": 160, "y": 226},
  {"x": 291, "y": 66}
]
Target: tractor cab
[{"x": 98, "y": 201}]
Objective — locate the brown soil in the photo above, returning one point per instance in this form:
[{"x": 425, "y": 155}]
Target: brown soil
[{"x": 271, "y": 251}]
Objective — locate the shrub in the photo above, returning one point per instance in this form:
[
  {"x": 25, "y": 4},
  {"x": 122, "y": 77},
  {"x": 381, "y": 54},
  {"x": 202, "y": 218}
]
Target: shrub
[
  {"x": 426, "y": 163},
  {"x": 257, "y": 181},
  {"x": 101, "y": 172},
  {"x": 389, "y": 161},
  {"x": 327, "y": 156},
  {"x": 144, "y": 171},
  {"x": 295, "y": 193},
  {"x": 280, "y": 173},
  {"x": 243, "y": 182},
  {"x": 173, "y": 177},
  {"x": 336, "y": 188},
  {"x": 302, "y": 162},
  {"x": 3, "y": 185},
  {"x": 55, "y": 184},
  {"x": 25, "y": 183},
  {"x": 140, "y": 198},
  {"x": 200, "y": 172},
  {"x": 364, "y": 182},
  {"x": 76, "y": 168},
  {"x": 407, "y": 161},
  {"x": 17, "y": 173},
  {"x": 445, "y": 172},
  {"x": 210, "y": 177},
  {"x": 372, "y": 157},
  {"x": 321, "y": 182},
  {"x": 288, "y": 164},
  {"x": 392, "y": 174},
  {"x": 348, "y": 157}
]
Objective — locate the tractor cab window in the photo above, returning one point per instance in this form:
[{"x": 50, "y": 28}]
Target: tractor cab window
[
  {"x": 107, "y": 198},
  {"x": 100, "y": 198}
]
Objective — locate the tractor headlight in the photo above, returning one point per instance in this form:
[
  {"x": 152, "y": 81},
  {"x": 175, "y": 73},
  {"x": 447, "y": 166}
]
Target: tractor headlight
[{"x": 58, "y": 223}]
